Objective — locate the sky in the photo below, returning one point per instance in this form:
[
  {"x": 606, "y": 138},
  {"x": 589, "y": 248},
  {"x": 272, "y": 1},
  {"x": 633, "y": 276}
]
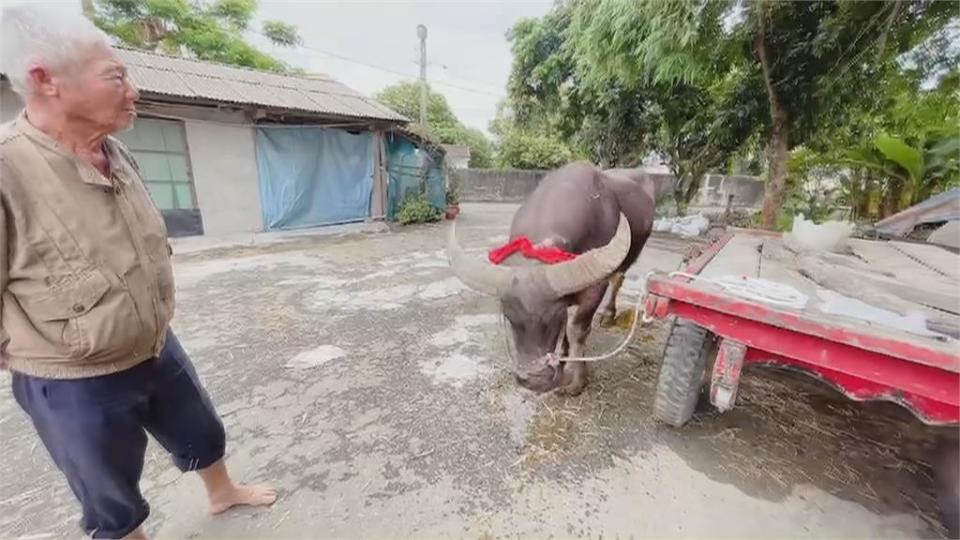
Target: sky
[
  {"x": 468, "y": 57},
  {"x": 368, "y": 45}
]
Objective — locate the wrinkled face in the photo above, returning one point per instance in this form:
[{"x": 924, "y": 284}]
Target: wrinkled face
[
  {"x": 96, "y": 92},
  {"x": 536, "y": 322}
]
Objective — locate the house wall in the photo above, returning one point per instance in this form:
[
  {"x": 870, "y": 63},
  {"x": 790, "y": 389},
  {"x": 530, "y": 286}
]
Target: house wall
[
  {"x": 222, "y": 162},
  {"x": 458, "y": 162},
  {"x": 224, "y": 167}
]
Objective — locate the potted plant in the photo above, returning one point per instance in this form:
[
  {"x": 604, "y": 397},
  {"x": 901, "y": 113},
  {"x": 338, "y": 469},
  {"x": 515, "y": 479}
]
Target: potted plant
[
  {"x": 453, "y": 205},
  {"x": 453, "y": 196}
]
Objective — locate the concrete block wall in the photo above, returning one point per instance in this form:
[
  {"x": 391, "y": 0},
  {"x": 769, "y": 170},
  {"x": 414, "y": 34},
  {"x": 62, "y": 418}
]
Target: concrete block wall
[
  {"x": 491, "y": 185},
  {"x": 747, "y": 191}
]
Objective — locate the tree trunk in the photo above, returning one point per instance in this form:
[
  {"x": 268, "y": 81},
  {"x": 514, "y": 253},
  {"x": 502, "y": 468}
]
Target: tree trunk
[
  {"x": 891, "y": 204},
  {"x": 779, "y": 146},
  {"x": 777, "y": 180},
  {"x": 679, "y": 190},
  {"x": 862, "y": 195},
  {"x": 872, "y": 196}
]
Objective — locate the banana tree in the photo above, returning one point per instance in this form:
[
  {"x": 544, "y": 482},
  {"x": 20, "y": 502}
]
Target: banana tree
[{"x": 914, "y": 172}]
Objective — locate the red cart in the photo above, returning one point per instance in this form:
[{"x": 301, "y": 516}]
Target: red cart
[{"x": 717, "y": 330}]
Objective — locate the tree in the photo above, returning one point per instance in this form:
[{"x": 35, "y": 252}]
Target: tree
[
  {"x": 583, "y": 71},
  {"x": 546, "y": 97},
  {"x": 481, "y": 150},
  {"x": 519, "y": 150},
  {"x": 208, "y": 31},
  {"x": 916, "y": 113},
  {"x": 404, "y": 97},
  {"x": 811, "y": 64},
  {"x": 819, "y": 59},
  {"x": 699, "y": 130}
]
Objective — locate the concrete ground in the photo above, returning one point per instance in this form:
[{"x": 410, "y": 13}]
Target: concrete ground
[{"x": 357, "y": 375}]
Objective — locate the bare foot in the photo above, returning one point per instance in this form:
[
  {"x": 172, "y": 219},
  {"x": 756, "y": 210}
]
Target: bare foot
[
  {"x": 137, "y": 534},
  {"x": 242, "y": 496}
]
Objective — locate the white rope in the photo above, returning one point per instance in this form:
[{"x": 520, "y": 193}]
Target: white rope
[
  {"x": 638, "y": 316},
  {"x": 758, "y": 289},
  {"x": 554, "y": 359}
]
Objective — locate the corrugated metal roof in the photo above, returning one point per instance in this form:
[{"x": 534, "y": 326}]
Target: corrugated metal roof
[{"x": 194, "y": 79}]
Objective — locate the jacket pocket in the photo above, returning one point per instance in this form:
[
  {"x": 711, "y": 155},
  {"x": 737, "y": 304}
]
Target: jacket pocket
[
  {"x": 84, "y": 316},
  {"x": 69, "y": 298}
]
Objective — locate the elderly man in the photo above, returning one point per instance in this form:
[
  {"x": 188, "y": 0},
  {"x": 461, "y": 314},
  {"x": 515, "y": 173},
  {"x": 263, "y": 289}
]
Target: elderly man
[{"x": 86, "y": 286}]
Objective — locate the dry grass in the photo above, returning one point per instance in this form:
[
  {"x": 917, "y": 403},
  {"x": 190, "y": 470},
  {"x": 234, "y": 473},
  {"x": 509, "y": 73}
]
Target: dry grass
[{"x": 786, "y": 430}]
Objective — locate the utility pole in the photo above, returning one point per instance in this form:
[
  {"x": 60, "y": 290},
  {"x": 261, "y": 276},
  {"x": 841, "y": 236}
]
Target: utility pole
[{"x": 422, "y": 34}]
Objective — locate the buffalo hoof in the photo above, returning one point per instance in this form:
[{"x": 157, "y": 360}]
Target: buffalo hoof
[
  {"x": 573, "y": 385},
  {"x": 571, "y": 390}
]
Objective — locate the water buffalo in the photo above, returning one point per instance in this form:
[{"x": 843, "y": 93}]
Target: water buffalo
[{"x": 579, "y": 209}]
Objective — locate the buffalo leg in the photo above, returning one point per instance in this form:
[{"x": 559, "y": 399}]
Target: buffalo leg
[
  {"x": 578, "y": 330},
  {"x": 610, "y": 311}
]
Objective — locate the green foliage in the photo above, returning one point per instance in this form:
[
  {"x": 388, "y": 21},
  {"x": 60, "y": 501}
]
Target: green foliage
[
  {"x": 282, "y": 33},
  {"x": 208, "y": 30},
  {"x": 647, "y": 41},
  {"x": 547, "y": 96},
  {"x": 616, "y": 80},
  {"x": 815, "y": 188},
  {"x": 714, "y": 84},
  {"x": 907, "y": 158},
  {"x": 404, "y": 97},
  {"x": 913, "y": 172},
  {"x": 453, "y": 186},
  {"x": 418, "y": 210},
  {"x": 481, "y": 149},
  {"x": 519, "y": 150}
]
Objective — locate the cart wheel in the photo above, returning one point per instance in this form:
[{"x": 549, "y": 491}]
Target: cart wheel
[{"x": 690, "y": 349}]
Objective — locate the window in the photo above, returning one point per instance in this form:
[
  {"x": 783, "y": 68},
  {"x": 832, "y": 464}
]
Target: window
[{"x": 160, "y": 149}]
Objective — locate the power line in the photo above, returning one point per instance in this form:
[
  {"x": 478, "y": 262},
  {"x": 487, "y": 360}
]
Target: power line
[{"x": 388, "y": 70}]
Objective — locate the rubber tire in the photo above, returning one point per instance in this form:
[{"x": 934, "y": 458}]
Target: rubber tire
[{"x": 690, "y": 349}]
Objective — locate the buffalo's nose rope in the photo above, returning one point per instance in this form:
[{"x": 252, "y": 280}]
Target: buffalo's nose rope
[
  {"x": 638, "y": 316},
  {"x": 555, "y": 358}
]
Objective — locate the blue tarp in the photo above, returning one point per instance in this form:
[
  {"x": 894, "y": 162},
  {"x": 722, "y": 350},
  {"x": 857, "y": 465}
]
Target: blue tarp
[
  {"x": 314, "y": 176},
  {"x": 412, "y": 171}
]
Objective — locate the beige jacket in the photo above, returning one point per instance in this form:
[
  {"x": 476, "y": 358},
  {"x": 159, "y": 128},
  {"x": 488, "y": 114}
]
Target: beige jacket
[{"x": 86, "y": 284}]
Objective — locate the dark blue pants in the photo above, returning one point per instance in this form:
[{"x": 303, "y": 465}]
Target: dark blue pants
[{"x": 95, "y": 430}]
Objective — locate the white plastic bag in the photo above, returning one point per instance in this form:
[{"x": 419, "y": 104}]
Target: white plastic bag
[
  {"x": 828, "y": 236},
  {"x": 694, "y": 225}
]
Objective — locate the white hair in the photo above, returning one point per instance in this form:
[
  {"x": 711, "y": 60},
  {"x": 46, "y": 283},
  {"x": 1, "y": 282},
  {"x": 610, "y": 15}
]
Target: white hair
[{"x": 55, "y": 39}]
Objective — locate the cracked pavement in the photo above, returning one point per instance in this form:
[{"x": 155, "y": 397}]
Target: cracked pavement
[{"x": 358, "y": 376}]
